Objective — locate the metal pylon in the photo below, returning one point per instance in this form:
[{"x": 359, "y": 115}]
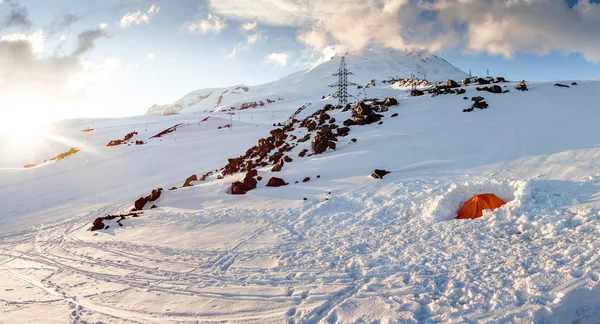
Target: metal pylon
[{"x": 342, "y": 83}]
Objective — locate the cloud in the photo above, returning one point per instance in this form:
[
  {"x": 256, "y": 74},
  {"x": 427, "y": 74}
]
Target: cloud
[
  {"x": 139, "y": 17},
  {"x": 498, "y": 27},
  {"x": 277, "y": 59},
  {"x": 150, "y": 57},
  {"x": 25, "y": 71},
  {"x": 63, "y": 22},
  {"x": 36, "y": 40},
  {"x": 248, "y": 26},
  {"x": 253, "y": 35},
  {"x": 18, "y": 17},
  {"x": 212, "y": 24}
]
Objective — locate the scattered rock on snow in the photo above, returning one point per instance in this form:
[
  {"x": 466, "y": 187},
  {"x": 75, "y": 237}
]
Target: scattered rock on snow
[
  {"x": 276, "y": 182},
  {"x": 188, "y": 181},
  {"x": 379, "y": 174},
  {"x": 561, "y": 85}
]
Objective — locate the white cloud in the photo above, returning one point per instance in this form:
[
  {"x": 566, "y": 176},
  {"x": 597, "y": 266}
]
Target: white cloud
[
  {"x": 253, "y": 35},
  {"x": 248, "y": 26},
  {"x": 150, "y": 57},
  {"x": 499, "y": 27},
  {"x": 103, "y": 26},
  {"x": 277, "y": 59},
  {"x": 37, "y": 40},
  {"x": 26, "y": 70},
  {"x": 212, "y": 24},
  {"x": 139, "y": 17}
]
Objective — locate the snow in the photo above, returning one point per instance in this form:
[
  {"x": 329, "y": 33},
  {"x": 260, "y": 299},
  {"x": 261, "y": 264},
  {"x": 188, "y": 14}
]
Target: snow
[{"x": 356, "y": 250}]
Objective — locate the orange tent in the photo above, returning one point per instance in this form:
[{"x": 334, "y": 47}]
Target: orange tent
[{"x": 474, "y": 207}]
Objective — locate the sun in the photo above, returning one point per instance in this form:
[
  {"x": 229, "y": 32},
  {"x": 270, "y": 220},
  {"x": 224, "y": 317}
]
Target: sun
[{"x": 20, "y": 130}]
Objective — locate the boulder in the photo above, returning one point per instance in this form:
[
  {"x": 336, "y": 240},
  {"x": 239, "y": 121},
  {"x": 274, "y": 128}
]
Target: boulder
[
  {"x": 460, "y": 91},
  {"x": 362, "y": 108},
  {"x": 155, "y": 194},
  {"x": 349, "y": 122},
  {"x": 395, "y": 115},
  {"x": 303, "y": 153},
  {"x": 466, "y": 81},
  {"x": 574, "y": 83},
  {"x": 477, "y": 99},
  {"x": 480, "y": 105},
  {"x": 379, "y": 174},
  {"x": 561, "y": 85},
  {"x": 307, "y": 179},
  {"x": 522, "y": 86},
  {"x": 416, "y": 93},
  {"x": 140, "y": 203},
  {"x": 276, "y": 182},
  {"x": 390, "y": 101},
  {"x": 483, "y": 81},
  {"x": 452, "y": 84},
  {"x": 500, "y": 80}
]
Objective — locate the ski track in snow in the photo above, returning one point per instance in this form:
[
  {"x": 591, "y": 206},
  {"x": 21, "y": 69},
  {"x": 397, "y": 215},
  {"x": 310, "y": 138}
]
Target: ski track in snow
[{"x": 330, "y": 255}]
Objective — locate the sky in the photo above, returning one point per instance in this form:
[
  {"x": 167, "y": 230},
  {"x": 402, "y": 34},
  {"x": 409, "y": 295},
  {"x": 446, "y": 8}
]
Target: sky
[{"x": 108, "y": 58}]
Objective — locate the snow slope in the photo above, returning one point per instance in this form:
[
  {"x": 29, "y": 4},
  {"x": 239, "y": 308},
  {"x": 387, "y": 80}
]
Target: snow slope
[
  {"x": 357, "y": 250},
  {"x": 305, "y": 85}
]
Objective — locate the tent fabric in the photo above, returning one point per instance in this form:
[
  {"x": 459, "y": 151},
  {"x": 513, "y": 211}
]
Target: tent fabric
[{"x": 473, "y": 208}]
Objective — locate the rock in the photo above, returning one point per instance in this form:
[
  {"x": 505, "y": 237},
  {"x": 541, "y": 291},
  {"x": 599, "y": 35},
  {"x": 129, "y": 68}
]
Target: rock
[
  {"x": 492, "y": 89},
  {"x": 468, "y": 110},
  {"x": 477, "y": 99},
  {"x": 561, "y": 85},
  {"x": 480, "y": 105},
  {"x": 452, "y": 84},
  {"x": 379, "y": 174},
  {"x": 154, "y": 195},
  {"x": 362, "y": 108},
  {"x": 140, "y": 203},
  {"x": 304, "y": 139},
  {"x": 318, "y": 177},
  {"x": 416, "y": 93},
  {"x": 384, "y": 108},
  {"x": 342, "y": 131},
  {"x": 500, "y": 80},
  {"x": 287, "y": 159},
  {"x": 373, "y": 118},
  {"x": 305, "y": 198},
  {"x": 188, "y": 181},
  {"x": 353, "y": 140},
  {"x": 349, "y": 122},
  {"x": 173, "y": 188},
  {"x": 395, "y": 115},
  {"x": 574, "y": 83},
  {"x": 278, "y": 166},
  {"x": 466, "y": 81},
  {"x": 522, "y": 86},
  {"x": 259, "y": 178},
  {"x": 97, "y": 224},
  {"x": 332, "y": 120},
  {"x": 390, "y": 101},
  {"x": 483, "y": 81},
  {"x": 466, "y": 98},
  {"x": 307, "y": 179},
  {"x": 303, "y": 153},
  {"x": 153, "y": 207},
  {"x": 276, "y": 182},
  {"x": 460, "y": 91}
]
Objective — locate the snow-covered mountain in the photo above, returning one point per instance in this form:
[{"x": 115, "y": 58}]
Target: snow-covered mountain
[
  {"x": 371, "y": 65},
  {"x": 335, "y": 245}
]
